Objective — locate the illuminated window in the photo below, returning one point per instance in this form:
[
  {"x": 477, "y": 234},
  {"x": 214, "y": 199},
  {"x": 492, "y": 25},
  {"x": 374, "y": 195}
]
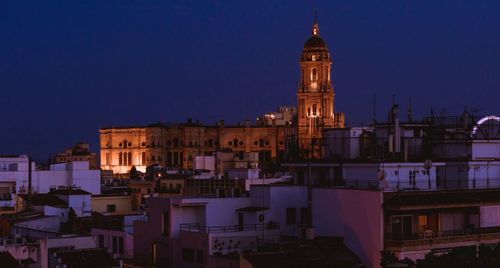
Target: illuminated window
[
  {"x": 422, "y": 222},
  {"x": 314, "y": 75}
]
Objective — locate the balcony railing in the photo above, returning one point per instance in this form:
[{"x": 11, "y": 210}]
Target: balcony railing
[
  {"x": 430, "y": 236},
  {"x": 194, "y": 227},
  {"x": 423, "y": 184}
]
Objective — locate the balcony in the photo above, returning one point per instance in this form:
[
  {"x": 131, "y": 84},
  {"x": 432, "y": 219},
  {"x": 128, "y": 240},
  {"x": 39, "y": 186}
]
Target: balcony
[
  {"x": 232, "y": 238},
  {"x": 430, "y": 239}
]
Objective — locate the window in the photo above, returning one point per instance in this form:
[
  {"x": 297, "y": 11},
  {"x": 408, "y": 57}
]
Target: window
[
  {"x": 314, "y": 75},
  {"x": 111, "y": 208},
  {"x": 422, "y": 223},
  {"x": 200, "y": 257},
  {"x": 412, "y": 176},
  {"x": 187, "y": 255},
  {"x": 165, "y": 228},
  {"x": 143, "y": 158},
  {"x": 129, "y": 159},
  {"x": 176, "y": 158},
  {"x": 304, "y": 215},
  {"x": 120, "y": 159},
  {"x": 115, "y": 246},
  {"x": 291, "y": 216},
  {"x": 120, "y": 245},
  {"x": 100, "y": 240}
]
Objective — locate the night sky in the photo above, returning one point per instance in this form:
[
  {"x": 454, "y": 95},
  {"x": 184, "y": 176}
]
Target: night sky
[{"x": 68, "y": 68}]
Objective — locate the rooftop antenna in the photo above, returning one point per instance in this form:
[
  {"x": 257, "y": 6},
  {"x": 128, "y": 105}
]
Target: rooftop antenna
[{"x": 410, "y": 112}]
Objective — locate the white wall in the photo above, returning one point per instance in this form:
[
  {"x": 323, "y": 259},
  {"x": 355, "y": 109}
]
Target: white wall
[
  {"x": 355, "y": 215},
  {"x": 66, "y": 174},
  {"x": 482, "y": 149},
  {"x": 81, "y": 204}
]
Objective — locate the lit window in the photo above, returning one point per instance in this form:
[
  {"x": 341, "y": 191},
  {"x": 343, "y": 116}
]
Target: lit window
[{"x": 314, "y": 75}]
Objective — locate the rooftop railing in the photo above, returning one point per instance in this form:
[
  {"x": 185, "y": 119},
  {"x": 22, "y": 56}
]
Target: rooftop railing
[{"x": 194, "y": 227}]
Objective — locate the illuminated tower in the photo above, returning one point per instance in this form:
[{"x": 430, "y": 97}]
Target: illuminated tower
[{"x": 315, "y": 95}]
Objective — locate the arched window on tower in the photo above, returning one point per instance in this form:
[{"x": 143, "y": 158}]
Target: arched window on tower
[
  {"x": 314, "y": 75},
  {"x": 314, "y": 110}
]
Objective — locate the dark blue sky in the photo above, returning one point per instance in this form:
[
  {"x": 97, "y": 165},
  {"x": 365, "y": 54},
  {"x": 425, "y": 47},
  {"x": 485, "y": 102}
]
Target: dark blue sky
[{"x": 68, "y": 67}]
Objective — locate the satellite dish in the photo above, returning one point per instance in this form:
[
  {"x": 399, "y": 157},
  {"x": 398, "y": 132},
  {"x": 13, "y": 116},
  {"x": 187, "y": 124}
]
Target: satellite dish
[
  {"x": 381, "y": 174},
  {"x": 428, "y": 164}
]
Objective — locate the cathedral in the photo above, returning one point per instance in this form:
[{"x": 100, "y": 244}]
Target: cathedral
[{"x": 176, "y": 145}]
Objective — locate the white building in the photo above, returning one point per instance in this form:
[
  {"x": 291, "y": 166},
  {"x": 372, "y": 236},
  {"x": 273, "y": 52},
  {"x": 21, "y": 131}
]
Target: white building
[{"x": 14, "y": 177}]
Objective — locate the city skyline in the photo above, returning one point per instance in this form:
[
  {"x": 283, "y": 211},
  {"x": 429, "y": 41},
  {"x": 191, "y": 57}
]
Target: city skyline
[{"x": 76, "y": 69}]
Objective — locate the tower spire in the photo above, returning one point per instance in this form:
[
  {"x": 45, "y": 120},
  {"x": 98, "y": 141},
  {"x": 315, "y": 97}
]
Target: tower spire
[{"x": 315, "y": 29}]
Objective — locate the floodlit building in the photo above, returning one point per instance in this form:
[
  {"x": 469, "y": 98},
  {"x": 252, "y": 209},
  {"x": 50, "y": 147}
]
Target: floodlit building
[{"x": 177, "y": 145}]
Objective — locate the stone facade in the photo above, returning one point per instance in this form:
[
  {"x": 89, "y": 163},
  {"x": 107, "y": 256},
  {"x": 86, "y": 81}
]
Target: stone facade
[
  {"x": 177, "y": 145},
  {"x": 315, "y": 96}
]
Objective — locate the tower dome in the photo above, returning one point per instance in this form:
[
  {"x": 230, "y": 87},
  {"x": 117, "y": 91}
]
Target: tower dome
[{"x": 315, "y": 45}]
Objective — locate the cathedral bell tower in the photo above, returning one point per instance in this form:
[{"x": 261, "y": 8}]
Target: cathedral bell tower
[{"x": 315, "y": 95}]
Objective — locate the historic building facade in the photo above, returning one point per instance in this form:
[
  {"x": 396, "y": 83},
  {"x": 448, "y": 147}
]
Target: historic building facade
[
  {"x": 315, "y": 96},
  {"x": 176, "y": 145}
]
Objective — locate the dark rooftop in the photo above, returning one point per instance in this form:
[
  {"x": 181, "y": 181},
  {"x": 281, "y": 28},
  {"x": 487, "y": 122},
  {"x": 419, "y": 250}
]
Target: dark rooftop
[
  {"x": 89, "y": 258},
  {"x": 320, "y": 252},
  {"x": 7, "y": 261},
  {"x": 45, "y": 200},
  {"x": 70, "y": 191}
]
